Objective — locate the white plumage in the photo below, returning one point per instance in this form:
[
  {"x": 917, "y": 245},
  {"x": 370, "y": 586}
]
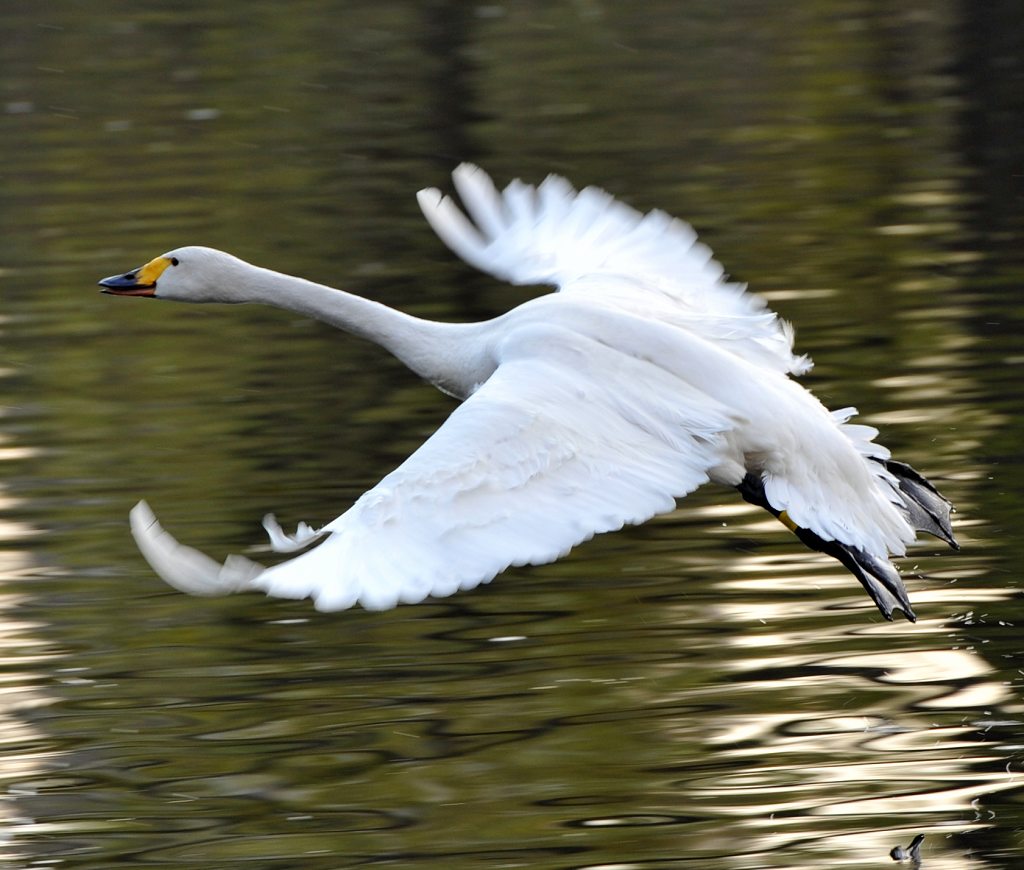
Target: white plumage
[{"x": 646, "y": 376}]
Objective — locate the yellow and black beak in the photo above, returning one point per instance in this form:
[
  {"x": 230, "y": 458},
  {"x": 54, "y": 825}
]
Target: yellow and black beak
[{"x": 138, "y": 282}]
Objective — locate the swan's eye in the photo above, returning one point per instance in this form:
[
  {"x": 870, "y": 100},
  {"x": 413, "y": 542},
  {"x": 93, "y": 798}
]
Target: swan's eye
[{"x": 174, "y": 261}]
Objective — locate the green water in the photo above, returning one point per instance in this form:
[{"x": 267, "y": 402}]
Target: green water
[{"x": 697, "y": 692}]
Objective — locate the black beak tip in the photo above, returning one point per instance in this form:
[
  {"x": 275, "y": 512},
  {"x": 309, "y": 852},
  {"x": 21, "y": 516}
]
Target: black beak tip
[
  {"x": 125, "y": 285},
  {"x": 120, "y": 282}
]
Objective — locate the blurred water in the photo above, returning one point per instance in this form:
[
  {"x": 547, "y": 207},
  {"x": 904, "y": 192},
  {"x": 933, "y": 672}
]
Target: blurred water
[{"x": 696, "y": 692}]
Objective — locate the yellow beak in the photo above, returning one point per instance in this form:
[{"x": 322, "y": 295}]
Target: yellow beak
[{"x": 138, "y": 282}]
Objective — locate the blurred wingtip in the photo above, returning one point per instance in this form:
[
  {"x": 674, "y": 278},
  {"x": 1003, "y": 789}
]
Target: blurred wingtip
[{"x": 185, "y": 568}]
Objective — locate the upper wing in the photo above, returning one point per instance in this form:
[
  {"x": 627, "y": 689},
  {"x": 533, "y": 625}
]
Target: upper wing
[
  {"x": 540, "y": 458},
  {"x": 590, "y": 243}
]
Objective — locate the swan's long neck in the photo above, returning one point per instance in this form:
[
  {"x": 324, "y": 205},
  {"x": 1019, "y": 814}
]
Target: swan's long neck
[{"x": 450, "y": 355}]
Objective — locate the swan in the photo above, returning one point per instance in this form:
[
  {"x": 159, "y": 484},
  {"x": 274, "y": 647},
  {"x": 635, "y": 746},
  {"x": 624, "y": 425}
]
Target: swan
[{"x": 647, "y": 375}]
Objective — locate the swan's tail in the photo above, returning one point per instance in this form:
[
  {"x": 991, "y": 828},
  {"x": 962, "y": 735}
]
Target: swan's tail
[{"x": 925, "y": 509}]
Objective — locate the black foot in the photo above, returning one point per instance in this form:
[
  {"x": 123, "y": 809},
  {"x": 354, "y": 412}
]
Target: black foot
[{"x": 926, "y": 508}]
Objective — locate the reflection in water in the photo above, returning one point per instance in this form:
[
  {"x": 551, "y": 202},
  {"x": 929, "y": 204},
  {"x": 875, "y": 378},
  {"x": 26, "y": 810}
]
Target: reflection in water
[
  {"x": 218, "y": 760},
  {"x": 697, "y": 692},
  {"x": 890, "y": 762},
  {"x": 23, "y": 759},
  {"x": 916, "y": 746},
  {"x": 27, "y": 661}
]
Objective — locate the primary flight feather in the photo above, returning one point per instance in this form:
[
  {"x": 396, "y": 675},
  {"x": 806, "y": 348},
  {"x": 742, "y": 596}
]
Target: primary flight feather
[{"x": 646, "y": 376}]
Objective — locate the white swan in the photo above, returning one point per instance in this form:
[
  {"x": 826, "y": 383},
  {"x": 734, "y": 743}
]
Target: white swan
[{"x": 648, "y": 375}]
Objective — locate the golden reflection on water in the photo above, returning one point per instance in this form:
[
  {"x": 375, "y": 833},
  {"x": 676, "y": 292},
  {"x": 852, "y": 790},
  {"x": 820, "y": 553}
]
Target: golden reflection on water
[
  {"x": 923, "y": 696},
  {"x": 25, "y": 665},
  {"x": 26, "y": 662},
  {"x": 889, "y": 762},
  {"x": 868, "y": 767}
]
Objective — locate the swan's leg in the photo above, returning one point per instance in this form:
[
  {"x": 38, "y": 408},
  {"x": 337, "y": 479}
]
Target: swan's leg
[
  {"x": 881, "y": 580},
  {"x": 877, "y": 576}
]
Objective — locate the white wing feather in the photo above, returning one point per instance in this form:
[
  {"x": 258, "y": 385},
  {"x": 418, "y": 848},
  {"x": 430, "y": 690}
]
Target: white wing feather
[
  {"x": 588, "y": 242},
  {"x": 539, "y": 459}
]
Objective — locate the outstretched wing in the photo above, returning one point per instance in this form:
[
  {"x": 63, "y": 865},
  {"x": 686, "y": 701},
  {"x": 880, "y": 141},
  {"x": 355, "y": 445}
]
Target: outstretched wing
[
  {"x": 588, "y": 242},
  {"x": 539, "y": 459}
]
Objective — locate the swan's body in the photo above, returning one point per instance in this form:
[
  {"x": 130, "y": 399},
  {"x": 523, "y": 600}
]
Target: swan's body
[{"x": 599, "y": 406}]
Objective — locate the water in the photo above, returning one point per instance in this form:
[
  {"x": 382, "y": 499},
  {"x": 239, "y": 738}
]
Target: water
[{"x": 696, "y": 692}]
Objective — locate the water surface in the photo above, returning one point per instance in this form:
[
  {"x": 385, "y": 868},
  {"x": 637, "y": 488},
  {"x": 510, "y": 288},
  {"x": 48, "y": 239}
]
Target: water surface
[{"x": 696, "y": 692}]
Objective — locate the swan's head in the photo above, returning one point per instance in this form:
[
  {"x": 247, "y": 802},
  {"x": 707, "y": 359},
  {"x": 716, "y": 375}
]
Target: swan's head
[{"x": 191, "y": 274}]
